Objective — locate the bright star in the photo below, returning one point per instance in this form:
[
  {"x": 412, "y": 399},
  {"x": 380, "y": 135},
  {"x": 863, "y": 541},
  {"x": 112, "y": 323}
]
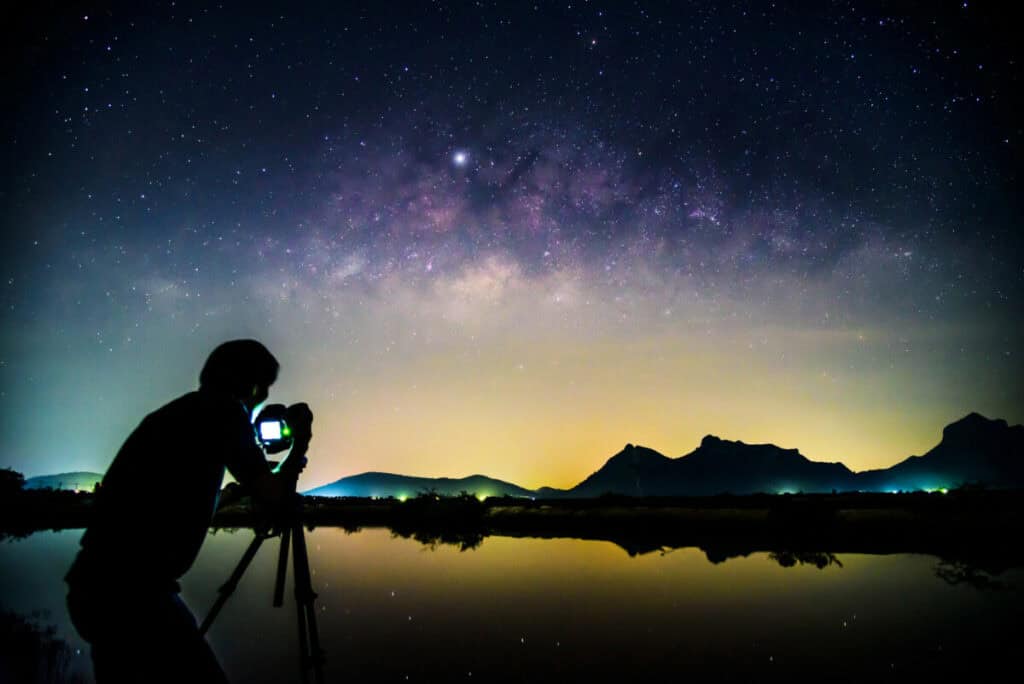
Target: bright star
[{"x": 460, "y": 158}]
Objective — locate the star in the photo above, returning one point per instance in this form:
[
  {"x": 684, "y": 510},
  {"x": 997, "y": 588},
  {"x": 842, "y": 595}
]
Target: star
[{"x": 460, "y": 158}]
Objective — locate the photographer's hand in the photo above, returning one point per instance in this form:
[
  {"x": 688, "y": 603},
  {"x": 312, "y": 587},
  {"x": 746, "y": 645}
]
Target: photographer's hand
[{"x": 300, "y": 420}]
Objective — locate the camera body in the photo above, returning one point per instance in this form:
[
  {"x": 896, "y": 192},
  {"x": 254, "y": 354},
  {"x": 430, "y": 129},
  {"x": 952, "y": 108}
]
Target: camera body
[{"x": 272, "y": 429}]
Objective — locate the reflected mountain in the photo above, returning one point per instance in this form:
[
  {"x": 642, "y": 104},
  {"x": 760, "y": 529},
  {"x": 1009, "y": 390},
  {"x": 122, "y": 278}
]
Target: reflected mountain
[
  {"x": 976, "y": 573},
  {"x": 465, "y": 541},
  {"x": 818, "y": 559}
]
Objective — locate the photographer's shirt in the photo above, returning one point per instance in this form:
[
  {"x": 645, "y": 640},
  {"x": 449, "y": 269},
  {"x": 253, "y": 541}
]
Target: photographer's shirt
[{"x": 158, "y": 497}]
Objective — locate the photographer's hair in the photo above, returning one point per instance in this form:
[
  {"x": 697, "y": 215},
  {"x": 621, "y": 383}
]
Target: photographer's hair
[{"x": 235, "y": 366}]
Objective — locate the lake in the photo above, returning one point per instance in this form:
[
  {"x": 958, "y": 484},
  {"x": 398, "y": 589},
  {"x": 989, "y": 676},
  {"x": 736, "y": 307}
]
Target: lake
[{"x": 514, "y": 609}]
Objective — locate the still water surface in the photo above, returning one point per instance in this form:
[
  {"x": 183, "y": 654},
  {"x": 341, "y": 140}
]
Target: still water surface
[{"x": 392, "y": 609}]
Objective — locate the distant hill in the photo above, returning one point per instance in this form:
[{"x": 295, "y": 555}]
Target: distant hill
[
  {"x": 73, "y": 481},
  {"x": 974, "y": 449},
  {"x": 403, "y": 486},
  {"x": 549, "y": 492},
  {"x": 716, "y": 466}
]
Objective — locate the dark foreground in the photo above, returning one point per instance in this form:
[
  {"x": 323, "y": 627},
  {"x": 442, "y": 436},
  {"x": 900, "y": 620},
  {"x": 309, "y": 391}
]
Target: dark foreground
[
  {"x": 907, "y": 588},
  {"x": 982, "y": 526}
]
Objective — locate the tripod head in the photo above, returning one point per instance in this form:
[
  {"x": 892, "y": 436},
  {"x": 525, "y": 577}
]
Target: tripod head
[{"x": 279, "y": 427}]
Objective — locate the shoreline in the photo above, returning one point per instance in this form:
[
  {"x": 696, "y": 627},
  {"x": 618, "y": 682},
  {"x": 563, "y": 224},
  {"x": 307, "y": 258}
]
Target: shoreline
[{"x": 980, "y": 526}]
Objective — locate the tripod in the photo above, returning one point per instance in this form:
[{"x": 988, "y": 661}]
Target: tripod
[{"x": 311, "y": 656}]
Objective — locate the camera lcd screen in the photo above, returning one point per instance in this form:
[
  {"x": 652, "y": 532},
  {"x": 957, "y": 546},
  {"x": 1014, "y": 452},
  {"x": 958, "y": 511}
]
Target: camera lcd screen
[{"x": 270, "y": 430}]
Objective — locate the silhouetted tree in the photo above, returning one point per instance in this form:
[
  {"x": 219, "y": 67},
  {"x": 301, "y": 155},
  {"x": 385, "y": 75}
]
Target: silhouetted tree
[{"x": 11, "y": 482}]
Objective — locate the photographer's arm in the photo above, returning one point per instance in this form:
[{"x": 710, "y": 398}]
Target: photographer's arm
[{"x": 288, "y": 470}]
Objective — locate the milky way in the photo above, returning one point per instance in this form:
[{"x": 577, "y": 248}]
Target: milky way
[{"x": 510, "y": 238}]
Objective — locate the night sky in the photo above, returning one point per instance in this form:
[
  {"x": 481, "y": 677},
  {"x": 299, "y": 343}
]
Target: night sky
[{"x": 509, "y": 238}]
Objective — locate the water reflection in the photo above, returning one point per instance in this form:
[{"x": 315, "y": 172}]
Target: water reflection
[
  {"x": 963, "y": 572},
  {"x": 464, "y": 541},
  {"x": 789, "y": 559},
  {"x": 435, "y": 608},
  {"x": 467, "y": 540},
  {"x": 31, "y": 652}
]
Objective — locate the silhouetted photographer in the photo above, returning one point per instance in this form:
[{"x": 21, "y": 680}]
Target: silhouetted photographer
[{"x": 154, "y": 508}]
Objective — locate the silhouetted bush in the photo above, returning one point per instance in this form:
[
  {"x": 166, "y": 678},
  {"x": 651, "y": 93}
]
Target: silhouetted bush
[{"x": 11, "y": 482}]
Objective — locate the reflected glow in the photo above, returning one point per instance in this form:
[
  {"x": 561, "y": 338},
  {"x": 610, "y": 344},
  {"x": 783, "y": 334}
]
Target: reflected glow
[{"x": 554, "y": 610}]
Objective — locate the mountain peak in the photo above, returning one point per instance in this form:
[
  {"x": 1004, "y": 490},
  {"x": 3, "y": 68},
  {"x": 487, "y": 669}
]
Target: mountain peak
[
  {"x": 633, "y": 452},
  {"x": 973, "y": 449},
  {"x": 971, "y": 426}
]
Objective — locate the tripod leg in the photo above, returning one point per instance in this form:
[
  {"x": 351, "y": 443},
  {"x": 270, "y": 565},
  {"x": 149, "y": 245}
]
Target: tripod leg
[
  {"x": 309, "y": 635},
  {"x": 282, "y": 567},
  {"x": 228, "y": 587}
]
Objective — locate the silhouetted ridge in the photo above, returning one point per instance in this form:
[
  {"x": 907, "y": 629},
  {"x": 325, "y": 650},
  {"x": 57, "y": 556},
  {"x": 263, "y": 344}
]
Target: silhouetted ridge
[{"x": 974, "y": 449}]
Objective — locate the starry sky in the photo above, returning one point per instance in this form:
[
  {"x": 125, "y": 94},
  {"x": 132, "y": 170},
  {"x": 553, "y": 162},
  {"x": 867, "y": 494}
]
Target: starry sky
[{"x": 509, "y": 238}]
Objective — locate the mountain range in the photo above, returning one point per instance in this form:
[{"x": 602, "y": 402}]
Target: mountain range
[{"x": 973, "y": 450}]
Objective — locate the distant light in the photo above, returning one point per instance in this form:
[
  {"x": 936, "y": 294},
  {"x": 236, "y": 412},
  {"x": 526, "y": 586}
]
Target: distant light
[
  {"x": 944, "y": 490},
  {"x": 460, "y": 158},
  {"x": 402, "y": 497},
  {"x": 481, "y": 497}
]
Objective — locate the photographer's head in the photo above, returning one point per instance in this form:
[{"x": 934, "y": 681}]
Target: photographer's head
[{"x": 243, "y": 369}]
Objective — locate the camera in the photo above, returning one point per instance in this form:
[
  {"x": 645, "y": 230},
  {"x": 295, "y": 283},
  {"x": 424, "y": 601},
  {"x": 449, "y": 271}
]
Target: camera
[{"x": 272, "y": 429}]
